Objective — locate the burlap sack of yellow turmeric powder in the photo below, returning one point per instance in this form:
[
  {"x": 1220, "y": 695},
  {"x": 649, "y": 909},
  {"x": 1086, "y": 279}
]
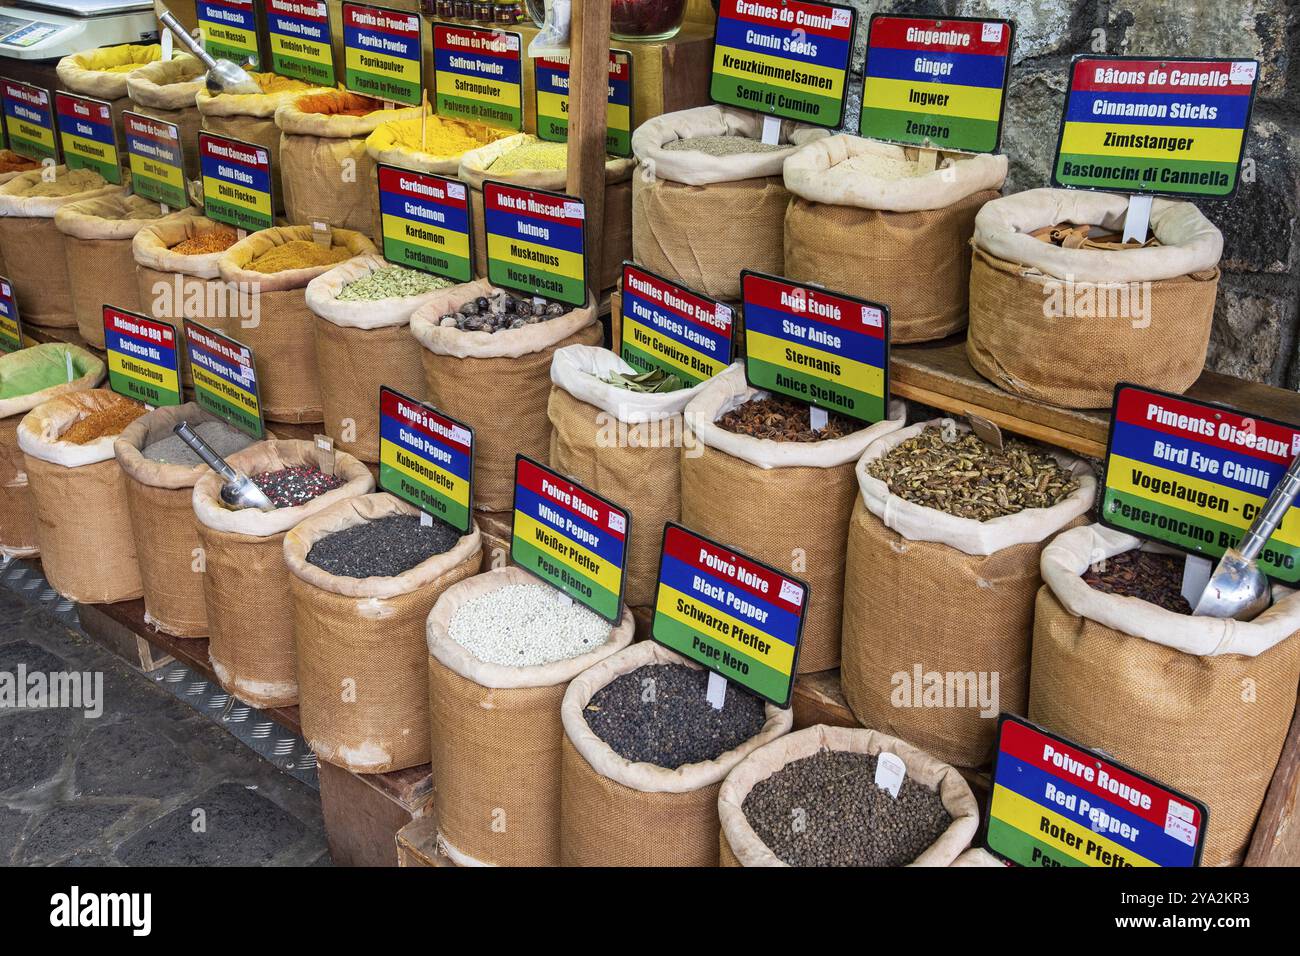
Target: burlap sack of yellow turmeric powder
[
  {"x": 166, "y": 91},
  {"x": 103, "y": 74}
]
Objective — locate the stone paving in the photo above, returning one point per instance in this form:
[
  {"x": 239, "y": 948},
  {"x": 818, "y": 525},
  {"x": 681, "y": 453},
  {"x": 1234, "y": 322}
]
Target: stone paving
[{"x": 146, "y": 782}]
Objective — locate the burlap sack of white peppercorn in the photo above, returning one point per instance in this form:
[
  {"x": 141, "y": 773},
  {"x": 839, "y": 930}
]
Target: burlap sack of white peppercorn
[
  {"x": 367, "y": 635},
  {"x": 784, "y": 503},
  {"x": 934, "y": 600},
  {"x": 618, "y": 813},
  {"x": 741, "y": 846},
  {"x": 1201, "y": 704},
  {"x": 495, "y": 735}
]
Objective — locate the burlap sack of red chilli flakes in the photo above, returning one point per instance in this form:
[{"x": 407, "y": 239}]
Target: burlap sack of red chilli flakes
[
  {"x": 1203, "y": 705},
  {"x": 246, "y": 585}
]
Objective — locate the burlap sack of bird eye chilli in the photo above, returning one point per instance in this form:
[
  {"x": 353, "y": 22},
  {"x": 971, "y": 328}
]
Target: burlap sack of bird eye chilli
[
  {"x": 940, "y": 578},
  {"x": 1123, "y": 675},
  {"x": 777, "y": 498},
  {"x": 502, "y": 650},
  {"x": 708, "y": 194},
  {"x": 1066, "y": 324},
  {"x": 246, "y": 587},
  {"x": 866, "y": 219},
  {"x": 487, "y": 364},
  {"x": 827, "y": 774}
]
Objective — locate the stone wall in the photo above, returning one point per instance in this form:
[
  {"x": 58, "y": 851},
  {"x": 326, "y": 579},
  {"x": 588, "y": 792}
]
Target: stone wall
[{"x": 1255, "y": 326}]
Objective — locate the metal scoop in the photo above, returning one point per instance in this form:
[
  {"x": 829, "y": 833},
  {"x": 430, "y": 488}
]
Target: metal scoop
[
  {"x": 224, "y": 76},
  {"x": 1237, "y": 589},
  {"x": 239, "y": 491}
]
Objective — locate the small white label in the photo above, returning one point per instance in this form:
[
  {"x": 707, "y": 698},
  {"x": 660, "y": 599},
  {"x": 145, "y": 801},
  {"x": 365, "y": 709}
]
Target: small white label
[
  {"x": 1176, "y": 809},
  {"x": 841, "y": 17},
  {"x": 456, "y": 190},
  {"x": 166, "y": 36},
  {"x": 992, "y": 33},
  {"x": 890, "y": 771},
  {"x": 717, "y": 692},
  {"x": 872, "y": 317},
  {"x": 71, "y": 374},
  {"x": 262, "y": 156},
  {"x": 616, "y": 522},
  {"x": 562, "y": 598},
  {"x": 1196, "y": 575},
  {"x": 574, "y": 210},
  {"x": 426, "y": 520},
  {"x": 818, "y": 418},
  {"x": 771, "y": 130},
  {"x": 1242, "y": 72},
  {"x": 460, "y": 434},
  {"x": 1180, "y": 830},
  {"x": 723, "y": 314},
  {"x": 792, "y": 592}
]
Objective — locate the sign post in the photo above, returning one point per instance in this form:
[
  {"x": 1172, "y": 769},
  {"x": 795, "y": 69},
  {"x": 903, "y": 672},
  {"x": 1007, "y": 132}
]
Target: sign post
[
  {"x": 478, "y": 75},
  {"x": 536, "y": 242},
  {"x": 87, "y": 135},
  {"x": 551, "y": 81},
  {"x": 236, "y": 182},
  {"x": 425, "y": 222},
  {"x": 143, "y": 358},
  {"x": 381, "y": 52},
  {"x": 426, "y": 458},
  {"x": 667, "y": 326},
  {"x": 29, "y": 120},
  {"x": 11, "y": 325},
  {"x": 228, "y": 29},
  {"x": 225, "y": 378},
  {"x": 300, "y": 40},
  {"x": 157, "y": 159}
]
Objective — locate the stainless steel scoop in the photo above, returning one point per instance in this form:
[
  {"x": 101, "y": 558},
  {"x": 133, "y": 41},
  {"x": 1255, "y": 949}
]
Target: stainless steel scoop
[
  {"x": 239, "y": 491},
  {"x": 224, "y": 76}
]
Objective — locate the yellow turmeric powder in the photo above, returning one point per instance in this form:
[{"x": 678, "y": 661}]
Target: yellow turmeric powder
[
  {"x": 298, "y": 254},
  {"x": 274, "y": 83},
  {"x": 442, "y": 137}
]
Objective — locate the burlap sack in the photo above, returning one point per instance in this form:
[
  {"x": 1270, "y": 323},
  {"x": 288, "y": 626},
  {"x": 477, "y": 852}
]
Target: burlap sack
[
  {"x": 83, "y": 525},
  {"x": 741, "y": 846},
  {"x": 617, "y": 813},
  {"x": 680, "y": 196},
  {"x": 1064, "y": 326},
  {"x": 361, "y": 346},
  {"x": 103, "y": 73},
  {"x": 363, "y": 684},
  {"x": 784, "y": 503},
  {"x": 326, "y": 172},
  {"x": 97, "y": 238},
  {"x": 936, "y": 605},
  {"x": 901, "y": 242},
  {"x": 1201, "y": 704},
  {"x": 246, "y": 584},
  {"x": 283, "y": 339},
  {"x": 607, "y": 263},
  {"x": 166, "y": 90},
  {"x": 495, "y": 734},
  {"x": 18, "y": 372},
  {"x": 497, "y": 383},
  {"x": 32, "y": 247}
]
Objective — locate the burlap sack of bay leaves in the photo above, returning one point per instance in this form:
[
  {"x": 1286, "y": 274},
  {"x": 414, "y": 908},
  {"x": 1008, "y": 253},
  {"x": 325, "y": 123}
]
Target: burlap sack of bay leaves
[
  {"x": 166, "y": 90},
  {"x": 901, "y": 242},
  {"x": 937, "y": 607},
  {"x": 618, "y": 813},
  {"x": 741, "y": 846},
  {"x": 784, "y": 503},
  {"x": 1064, "y": 326},
  {"x": 246, "y": 589},
  {"x": 498, "y": 383},
  {"x": 496, "y": 735},
  {"x": 283, "y": 335},
  {"x": 622, "y": 445},
  {"x": 104, "y": 74},
  {"x": 30, "y": 377},
  {"x": 681, "y": 199},
  {"x": 363, "y": 683},
  {"x": 83, "y": 523},
  {"x": 1201, "y": 704}
]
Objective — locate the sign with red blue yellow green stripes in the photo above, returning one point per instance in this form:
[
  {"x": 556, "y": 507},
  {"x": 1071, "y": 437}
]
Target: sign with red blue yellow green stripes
[
  {"x": 225, "y": 378},
  {"x": 1171, "y": 127},
  {"x": 478, "y": 75},
  {"x": 1055, "y": 803},
  {"x": 936, "y": 83},
  {"x": 300, "y": 42},
  {"x": 381, "y": 53},
  {"x": 11, "y": 326},
  {"x": 157, "y": 159},
  {"x": 536, "y": 242},
  {"x": 143, "y": 358},
  {"x": 551, "y": 80},
  {"x": 29, "y": 120},
  {"x": 820, "y": 347},
  {"x": 426, "y": 458},
  {"x": 236, "y": 182},
  {"x": 786, "y": 58},
  {"x": 87, "y": 135},
  {"x": 668, "y": 326},
  {"x": 1194, "y": 476},
  {"x": 425, "y": 222},
  {"x": 228, "y": 29},
  {"x": 571, "y": 538},
  {"x": 739, "y": 618}
]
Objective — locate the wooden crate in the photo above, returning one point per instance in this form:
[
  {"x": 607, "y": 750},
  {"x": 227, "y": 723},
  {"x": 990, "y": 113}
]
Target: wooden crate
[
  {"x": 364, "y": 812},
  {"x": 417, "y": 844}
]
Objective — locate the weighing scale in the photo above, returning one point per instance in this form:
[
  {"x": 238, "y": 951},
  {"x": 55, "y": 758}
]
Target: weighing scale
[{"x": 51, "y": 29}]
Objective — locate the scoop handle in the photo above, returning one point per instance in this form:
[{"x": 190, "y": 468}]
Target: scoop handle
[
  {"x": 194, "y": 46},
  {"x": 201, "y": 448},
  {"x": 1271, "y": 515}
]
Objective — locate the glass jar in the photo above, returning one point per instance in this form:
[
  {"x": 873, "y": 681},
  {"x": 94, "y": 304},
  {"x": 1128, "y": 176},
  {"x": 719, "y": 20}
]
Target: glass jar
[
  {"x": 508, "y": 11},
  {"x": 464, "y": 10},
  {"x": 444, "y": 9},
  {"x": 645, "y": 19}
]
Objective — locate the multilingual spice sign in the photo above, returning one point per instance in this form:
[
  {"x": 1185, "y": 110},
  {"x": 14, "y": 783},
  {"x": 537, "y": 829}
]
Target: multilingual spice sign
[
  {"x": 739, "y": 618},
  {"x": 536, "y": 242},
  {"x": 1170, "y": 127},
  {"x": 300, "y": 42},
  {"x": 478, "y": 75},
  {"x": 143, "y": 358},
  {"x": 425, "y": 222},
  {"x": 820, "y": 347},
  {"x": 1194, "y": 476},
  {"x": 936, "y": 83},
  {"x": 236, "y": 182},
  {"x": 228, "y": 29},
  {"x": 381, "y": 53},
  {"x": 551, "y": 80},
  {"x": 87, "y": 135},
  {"x": 29, "y": 120},
  {"x": 225, "y": 378},
  {"x": 154, "y": 150},
  {"x": 669, "y": 327},
  {"x": 11, "y": 326},
  {"x": 571, "y": 538},
  {"x": 426, "y": 458},
  {"x": 1055, "y": 803}
]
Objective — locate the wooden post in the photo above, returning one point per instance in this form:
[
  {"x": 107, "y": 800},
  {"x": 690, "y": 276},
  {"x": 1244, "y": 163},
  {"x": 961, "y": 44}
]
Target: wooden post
[{"x": 588, "y": 98}]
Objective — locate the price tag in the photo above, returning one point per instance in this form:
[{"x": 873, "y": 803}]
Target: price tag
[
  {"x": 87, "y": 135},
  {"x": 551, "y": 81},
  {"x": 667, "y": 326},
  {"x": 1194, "y": 476},
  {"x": 570, "y": 537},
  {"x": 11, "y": 326},
  {"x": 936, "y": 83},
  {"x": 225, "y": 378},
  {"x": 478, "y": 75},
  {"x": 381, "y": 53},
  {"x": 820, "y": 347},
  {"x": 228, "y": 29},
  {"x": 143, "y": 358},
  {"x": 426, "y": 223},
  {"x": 157, "y": 159},
  {"x": 236, "y": 182},
  {"x": 536, "y": 242},
  {"x": 426, "y": 458},
  {"x": 740, "y": 618},
  {"x": 890, "y": 772},
  {"x": 300, "y": 41},
  {"x": 325, "y": 445},
  {"x": 29, "y": 120}
]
